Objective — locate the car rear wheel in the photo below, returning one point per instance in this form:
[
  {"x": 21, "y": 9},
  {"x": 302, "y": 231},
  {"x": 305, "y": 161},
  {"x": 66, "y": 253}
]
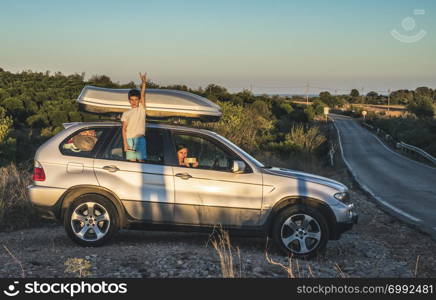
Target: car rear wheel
[
  {"x": 300, "y": 231},
  {"x": 91, "y": 220}
]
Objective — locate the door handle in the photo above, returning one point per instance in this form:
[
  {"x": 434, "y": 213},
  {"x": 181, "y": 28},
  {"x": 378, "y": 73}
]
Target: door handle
[
  {"x": 185, "y": 176},
  {"x": 111, "y": 168}
]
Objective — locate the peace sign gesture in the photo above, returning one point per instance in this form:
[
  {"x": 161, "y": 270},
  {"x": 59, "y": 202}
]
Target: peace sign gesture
[{"x": 143, "y": 77}]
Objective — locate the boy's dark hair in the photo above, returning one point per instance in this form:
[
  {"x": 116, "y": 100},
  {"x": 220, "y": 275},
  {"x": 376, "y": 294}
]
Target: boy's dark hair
[
  {"x": 180, "y": 147},
  {"x": 134, "y": 92}
]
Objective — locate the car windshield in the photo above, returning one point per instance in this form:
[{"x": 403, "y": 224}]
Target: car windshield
[{"x": 251, "y": 158}]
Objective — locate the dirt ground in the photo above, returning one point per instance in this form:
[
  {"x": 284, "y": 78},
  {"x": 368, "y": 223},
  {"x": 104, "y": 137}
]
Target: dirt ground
[{"x": 379, "y": 246}]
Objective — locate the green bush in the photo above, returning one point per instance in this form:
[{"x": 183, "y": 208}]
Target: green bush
[
  {"x": 416, "y": 132},
  {"x": 5, "y": 124},
  {"x": 280, "y": 108},
  {"x": 39, "y": 103},
  {"x": 310, "y": 113},
  {"x": 244, "y": 126},
  {"x": 422, "y": 107},
  {"x": 301, "y": 138},
  {"x": 318, "y": 107},
  {"x": 38, "y": 120},
  {"x": 75, "y": 116},
  {"x": 8, "y": 151},
  {"x": 58, "y": 117}
]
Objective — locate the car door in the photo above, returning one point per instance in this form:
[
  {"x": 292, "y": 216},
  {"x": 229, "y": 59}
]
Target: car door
[
  {"x": 146, "y": 189},
  {"x": 79, "y": 150},
  {"x": 210, "y": 193}
]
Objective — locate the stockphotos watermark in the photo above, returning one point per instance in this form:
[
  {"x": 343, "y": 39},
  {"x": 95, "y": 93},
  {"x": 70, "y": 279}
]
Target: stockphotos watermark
[
  {"x": 410, "y": 34},
  {"x": 71, "y": 289}
]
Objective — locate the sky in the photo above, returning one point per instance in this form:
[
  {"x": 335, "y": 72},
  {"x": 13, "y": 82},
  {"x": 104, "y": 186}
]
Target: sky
[{"x": 268, "y": 46}]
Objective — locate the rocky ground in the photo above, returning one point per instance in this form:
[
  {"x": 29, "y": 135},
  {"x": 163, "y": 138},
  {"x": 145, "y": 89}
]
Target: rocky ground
[{"x": 379, "y": 246}]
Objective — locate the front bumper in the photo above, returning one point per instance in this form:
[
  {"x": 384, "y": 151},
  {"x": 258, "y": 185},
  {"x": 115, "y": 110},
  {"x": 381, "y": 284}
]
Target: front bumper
[{"x": 341, "y": 227}]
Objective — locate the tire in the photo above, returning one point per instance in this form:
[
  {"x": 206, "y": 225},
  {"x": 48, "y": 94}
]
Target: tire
[
  {"x": 296, "y": 239},
  {"x": 91, "y": 220}
]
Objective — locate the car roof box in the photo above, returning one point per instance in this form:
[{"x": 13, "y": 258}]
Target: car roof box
[{"x": 160, "y": 103}]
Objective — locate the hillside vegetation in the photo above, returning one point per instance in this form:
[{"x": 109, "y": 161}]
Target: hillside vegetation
[{"x": 34, "y": 105}]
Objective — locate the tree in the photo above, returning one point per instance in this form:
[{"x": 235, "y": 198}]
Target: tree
[
  {"x": 102, "y": 81},
  {"x": 354, "y": 96},
  {"x": 329, "y": 100},
  {"x": 247, "y": 96},
  {"x": 261, "y": 108},
  {"x": 58, "y": 117},
  {"x": 424, "y": 92},
  {"x": 215, "y": 89},
  {"x": 5, "y": 124},
  {"x": 372, "y": 97},
  {"x": 38, "y": 121},
  {"x": 401, "y": 97},
  {"x": 422, "y": 107},
  {"x": 354, "y": 93},
  {"x": 3, "y": 94},
  {"x": 13, "y": 105},
  {"x": 280, "y": 108}
]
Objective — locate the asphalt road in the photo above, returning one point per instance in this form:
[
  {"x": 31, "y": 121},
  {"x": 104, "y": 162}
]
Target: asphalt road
[{"x": 404, "y": 187}]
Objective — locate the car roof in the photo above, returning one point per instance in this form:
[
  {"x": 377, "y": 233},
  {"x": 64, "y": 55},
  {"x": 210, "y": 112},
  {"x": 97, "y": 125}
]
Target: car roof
[{"x": 79, "y": 125}]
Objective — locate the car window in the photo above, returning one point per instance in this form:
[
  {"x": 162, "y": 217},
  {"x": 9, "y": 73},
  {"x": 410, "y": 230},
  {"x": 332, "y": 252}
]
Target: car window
[
  {"x": 198, "y": 152},
  {"x": 153, "y": 147},
  {"x": 82, "y": 143}
]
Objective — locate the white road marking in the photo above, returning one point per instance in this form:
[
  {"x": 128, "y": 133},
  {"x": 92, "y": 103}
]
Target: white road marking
[
  {"x": 402, "y": 156},
  {"x": 366, "y": 188}
]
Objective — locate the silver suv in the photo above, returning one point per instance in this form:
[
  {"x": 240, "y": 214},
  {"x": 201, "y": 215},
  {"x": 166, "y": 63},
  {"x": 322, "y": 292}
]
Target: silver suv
[{"x": 81, "y": 178}]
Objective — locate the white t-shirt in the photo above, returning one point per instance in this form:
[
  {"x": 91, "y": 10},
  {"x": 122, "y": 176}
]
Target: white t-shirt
[{"x": 135, "y": 121}]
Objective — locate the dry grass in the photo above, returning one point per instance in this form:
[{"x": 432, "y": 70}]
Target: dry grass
[
  {"x": 78, "y": 266},
  {"x": 220, "y": 241},
  {"x": 295, "y": 269},
  {"x": 16, "y": 210},
  {"x": 288, "y": 269},
  {"x": 417, "y": 266},
  {"x": 17, "y": 261}
]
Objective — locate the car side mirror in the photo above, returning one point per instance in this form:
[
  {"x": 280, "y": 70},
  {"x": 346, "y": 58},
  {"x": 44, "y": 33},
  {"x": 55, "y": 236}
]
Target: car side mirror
[{"x": 238, "y": 166}]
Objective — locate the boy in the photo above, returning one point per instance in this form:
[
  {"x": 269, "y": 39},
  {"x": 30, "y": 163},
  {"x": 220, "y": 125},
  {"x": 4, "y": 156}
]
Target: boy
[{"x": 133, "y": 124}]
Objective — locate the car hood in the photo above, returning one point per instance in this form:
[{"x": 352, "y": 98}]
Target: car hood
[{"x": 306, "y": 177}]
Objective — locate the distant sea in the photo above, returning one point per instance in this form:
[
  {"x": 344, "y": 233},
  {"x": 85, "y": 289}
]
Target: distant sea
[{"x": 287, "y": 95}]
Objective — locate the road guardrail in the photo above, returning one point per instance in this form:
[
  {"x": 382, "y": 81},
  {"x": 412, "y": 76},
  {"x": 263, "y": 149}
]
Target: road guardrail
[{"x": 401, "y": 145}]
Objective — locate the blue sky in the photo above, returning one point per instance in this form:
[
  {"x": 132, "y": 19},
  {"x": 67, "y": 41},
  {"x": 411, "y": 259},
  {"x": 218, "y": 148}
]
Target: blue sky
[{"x": 270, "y": 45}]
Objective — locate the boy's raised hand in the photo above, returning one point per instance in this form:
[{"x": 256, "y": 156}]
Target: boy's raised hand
[{"x": 143, "y": 77}]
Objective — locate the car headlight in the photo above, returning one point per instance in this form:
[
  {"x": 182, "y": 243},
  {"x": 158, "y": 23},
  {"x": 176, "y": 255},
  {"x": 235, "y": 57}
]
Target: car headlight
[{"x": 343, "y": 196}]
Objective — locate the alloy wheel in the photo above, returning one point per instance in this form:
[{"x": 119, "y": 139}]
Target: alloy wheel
[
  {"x": 301, "y": 233},
  {"x": 90, "y": 221}
]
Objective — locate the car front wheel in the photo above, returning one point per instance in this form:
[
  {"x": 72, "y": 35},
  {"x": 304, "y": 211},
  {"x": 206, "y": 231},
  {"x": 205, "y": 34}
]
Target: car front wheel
[
  {"x": 91, "y": 220},
  {"x": 300, "y": 231}
]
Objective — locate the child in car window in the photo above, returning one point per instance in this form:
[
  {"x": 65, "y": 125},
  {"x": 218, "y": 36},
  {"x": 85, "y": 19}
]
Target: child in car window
[
  {"x": 182, "y": 157},
  {"x": 133, "y": 124}
]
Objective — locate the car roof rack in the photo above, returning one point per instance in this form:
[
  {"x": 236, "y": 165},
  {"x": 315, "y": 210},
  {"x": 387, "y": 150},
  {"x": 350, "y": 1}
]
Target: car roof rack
[{"x": 67, "y": 125}]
